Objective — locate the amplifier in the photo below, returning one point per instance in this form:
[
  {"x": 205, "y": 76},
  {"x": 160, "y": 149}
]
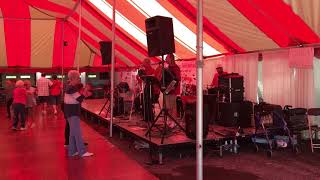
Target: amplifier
[
  {"x": 231, "y": 86},
  {"x": 233, "y": 80}
]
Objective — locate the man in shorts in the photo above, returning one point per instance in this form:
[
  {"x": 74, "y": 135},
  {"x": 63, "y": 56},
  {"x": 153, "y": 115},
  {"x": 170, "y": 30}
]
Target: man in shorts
[{"x": 43, "y": 85}]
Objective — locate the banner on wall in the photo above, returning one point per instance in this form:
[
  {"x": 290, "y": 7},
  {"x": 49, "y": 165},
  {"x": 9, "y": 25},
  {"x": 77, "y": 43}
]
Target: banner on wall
[
  {"x": 128, "y": 77},
  {"x": 301, "y": 58},
  {"x": 188, "y": 72},
  {"x": 188, "y": 77}
]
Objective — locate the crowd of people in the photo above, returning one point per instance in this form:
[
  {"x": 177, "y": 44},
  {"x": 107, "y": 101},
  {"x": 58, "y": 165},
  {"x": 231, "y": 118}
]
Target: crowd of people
[{"x": 21, "y": 99}]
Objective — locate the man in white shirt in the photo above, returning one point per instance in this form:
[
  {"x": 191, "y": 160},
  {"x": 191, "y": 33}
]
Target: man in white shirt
[{"x": 43, "y": 85}]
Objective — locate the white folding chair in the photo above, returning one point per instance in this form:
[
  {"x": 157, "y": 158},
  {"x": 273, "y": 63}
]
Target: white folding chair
[{"x": 313, "y": 129}]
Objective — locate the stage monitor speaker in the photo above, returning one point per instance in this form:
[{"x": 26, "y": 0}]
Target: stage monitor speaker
[
  {"x": 105, "y": 49},
  {"x": 236, "y": 114},
  {"x": 246, "y": 114},
  {"x": 160, "y": 36},
  {"x": 229, "y": 114}
]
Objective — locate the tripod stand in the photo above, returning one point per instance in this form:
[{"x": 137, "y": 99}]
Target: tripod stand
[
  {"x": 164, "y": 111},
  {"x": 108, "y": 101}
]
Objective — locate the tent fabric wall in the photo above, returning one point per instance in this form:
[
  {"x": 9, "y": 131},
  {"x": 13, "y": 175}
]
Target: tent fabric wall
[
  {"x": 316, "y": 75},
  {"x": 191, "y": 24},
  {"x": 42, "y": 42},
  {"x": 138, "y": 19},
  {"x": 236, "y": 26},
  {"x": 280, "y": 26},
  {"x": 84, "y": 53},
  {"x": 281, "y": 84},
  {"x": 58, "y": 44},
  {"x": 3, "y": 52},
  {"x": 284, "y": 85},
  {"x": 309, "y": 11},
  {"x": 301, "y": 58},
  {"x": 230, "y": 26}
]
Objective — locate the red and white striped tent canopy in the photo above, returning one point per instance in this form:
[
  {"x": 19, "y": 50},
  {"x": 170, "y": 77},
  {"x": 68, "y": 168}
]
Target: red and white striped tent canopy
[{"x": 43, "y": 34}]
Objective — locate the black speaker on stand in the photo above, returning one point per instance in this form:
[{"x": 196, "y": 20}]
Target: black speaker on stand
[
  {"x": 160, "y": 41},
  {"x": 105, "y": 49},
  {"x": 160, "y": 36}
]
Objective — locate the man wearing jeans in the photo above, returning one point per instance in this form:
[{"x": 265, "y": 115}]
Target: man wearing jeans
[{"x": 72, "y": 100}]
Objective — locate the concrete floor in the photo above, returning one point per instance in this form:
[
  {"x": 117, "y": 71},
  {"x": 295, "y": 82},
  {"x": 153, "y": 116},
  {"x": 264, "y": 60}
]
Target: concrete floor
[{"x": 38, "y": 154}]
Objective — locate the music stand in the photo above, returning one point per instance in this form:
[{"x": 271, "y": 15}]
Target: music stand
[
  {"x": 164, "y": 109},
  {"x": 147, "y": 96}
]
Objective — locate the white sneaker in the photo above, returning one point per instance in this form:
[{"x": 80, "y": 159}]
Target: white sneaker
[
  {"x": 87, "y": 154},
  {"x": 22, "y": 129},
  {"x": 14, "y": 128},
  {"x": 75, "y": 154},
  {"x": 33, "y": 125}
]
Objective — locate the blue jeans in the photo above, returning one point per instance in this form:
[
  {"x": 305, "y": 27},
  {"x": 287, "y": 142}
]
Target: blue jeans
[
  {"x": 75, "y": 138},
  {"x": 19, "y": 113}
]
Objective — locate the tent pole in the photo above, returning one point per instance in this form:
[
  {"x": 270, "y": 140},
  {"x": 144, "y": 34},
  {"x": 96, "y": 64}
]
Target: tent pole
[
  {"x": 199, "y": 119},
  {"x": 62, "y": 56},
  {"x": 112, "y": 64},
  {"x": 79, "y": 36}
]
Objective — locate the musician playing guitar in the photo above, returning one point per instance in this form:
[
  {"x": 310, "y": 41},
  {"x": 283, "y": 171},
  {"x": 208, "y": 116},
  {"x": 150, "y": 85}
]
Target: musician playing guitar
[{"x": 171, "y": 97}]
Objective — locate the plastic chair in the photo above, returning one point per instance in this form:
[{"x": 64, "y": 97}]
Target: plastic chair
[{"x": 313, "y": 129}]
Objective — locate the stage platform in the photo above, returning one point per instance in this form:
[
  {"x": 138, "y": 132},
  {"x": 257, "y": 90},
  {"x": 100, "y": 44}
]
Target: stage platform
[{"x": 137, "y": 128}]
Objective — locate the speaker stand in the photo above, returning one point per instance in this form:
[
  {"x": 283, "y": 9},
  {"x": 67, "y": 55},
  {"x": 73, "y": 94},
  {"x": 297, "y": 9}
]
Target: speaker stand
[{"x": 164, "y": 111}]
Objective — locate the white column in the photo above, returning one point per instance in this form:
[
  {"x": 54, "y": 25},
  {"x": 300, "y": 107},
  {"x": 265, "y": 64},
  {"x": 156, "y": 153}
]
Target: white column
[
  {"x": 62, "y": 57},
  {"x": 199, "y": 141},
  {"x": 79, "y": 35},
  {"x": 112, "y": 63}
]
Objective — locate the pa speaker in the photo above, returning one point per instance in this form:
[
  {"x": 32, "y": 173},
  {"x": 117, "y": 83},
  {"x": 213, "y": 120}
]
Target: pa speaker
[
  {"x": 235, "y": 114},
  {"x": 105, "y": 49},
  {"x": 229, "y": 114},
  {"x": 160, "y": 36},
  {"x": 191, "y": 123}
]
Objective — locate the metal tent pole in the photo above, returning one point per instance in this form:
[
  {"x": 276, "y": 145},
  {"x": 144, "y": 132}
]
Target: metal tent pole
[
  {"x": 199, "y": 141},
  {"x": 62, "y": 57},
  {"x": 79, "y": 36},
  {"x": 112, "y": 63}
]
